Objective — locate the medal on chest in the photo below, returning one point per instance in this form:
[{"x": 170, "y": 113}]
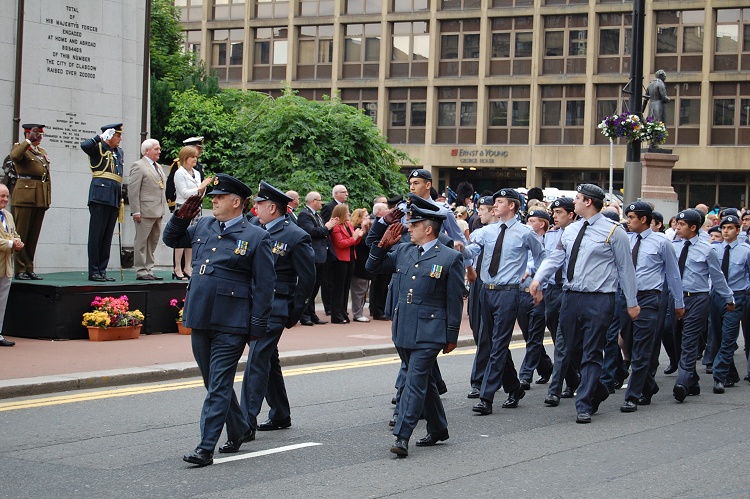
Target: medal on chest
[
  {"x": 241, "y": 248},
  {"x": 279, "y": 248},
  {"x": 436, "y": 271}
]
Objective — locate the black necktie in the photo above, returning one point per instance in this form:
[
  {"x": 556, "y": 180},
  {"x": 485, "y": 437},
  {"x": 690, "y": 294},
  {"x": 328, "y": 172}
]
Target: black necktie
[
  {"x": 479, "y": 260},
  {"x": 683, "y": 257},
  {"x": 420, "y": 251},
  {"x": 635, "y": 251},
  {"x": 725, "y": 263},
  {"x": 222, "y": 226},
  {"x": 574, "y": 252},
  {"x": 263, "y": 226},
  {"x": 495, "y": 262}
]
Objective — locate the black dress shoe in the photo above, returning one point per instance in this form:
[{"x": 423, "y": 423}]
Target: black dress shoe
[
  {"x": 694, "y": 390},
  {"x": 6, "y": 343},
  {"x": 146, "y": 277},
  {"x": 316, "y": 320},
  {"x": 234, "y": 445},
  {"x": 97, "y": 278},
  {"x": 601, "y": 393},
  {"x": 473, "y": 394},
  {"x": 157, "y": 278},
  {"x": 392, "y": 422},
  {"x": 394, "y": 401},
  {"x": 628, "y": 406},
  {"x": 526, "y": 385},
  {"x": 433, "y": 438},
  {"x": 483, "y": 407},
  {"x": 679, "y": 392},
  {"x": 747, "y": 378},
  {"x": 731, "y": 380},
  {"x": 380, "y": 317},
  {"x": 513, "y": 398},
  {"x": 583, "y": 418},
  {"x": 23, "y": 276},
  {"x": 400, "y": 447},
  {"x": 552, "y": 400},
  {"x": 568, "y": 393},
  {"x": 108, "y": 278},
  {"x": 200, "y": 457},
  {"x": 645, "y": 399},
  {"x": 670, "y": 369},
  {"x": 718, "y": 387},
  {"x": 541, "y": 381},
  {"x": 33, "y": 276},
  {"x": 307, "y": 323},
  {"x": 271, "y": 425}
]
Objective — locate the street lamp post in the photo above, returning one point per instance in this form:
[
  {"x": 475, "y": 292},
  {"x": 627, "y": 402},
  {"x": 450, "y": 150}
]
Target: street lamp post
[{"x": 632, "y": 172}]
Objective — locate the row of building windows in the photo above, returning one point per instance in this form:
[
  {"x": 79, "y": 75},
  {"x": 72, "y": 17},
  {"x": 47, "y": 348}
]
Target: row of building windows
[
  {"x": 562, "y": 111},
  {"x": 678, "y": 47}
]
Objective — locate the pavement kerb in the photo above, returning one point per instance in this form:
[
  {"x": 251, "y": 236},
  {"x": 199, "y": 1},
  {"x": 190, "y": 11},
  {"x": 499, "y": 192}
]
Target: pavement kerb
[{"x": 41, "y": 385}]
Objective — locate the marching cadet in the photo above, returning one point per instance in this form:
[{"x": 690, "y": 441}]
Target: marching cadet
[
  {"x": 295, "y": 276},
  {"x": 654, "y": 260},
  {"x": 227, "y": 304},
  {"x": 427, "y": 278},
  {"x": 563, "y": 213},
  {"x": 505, "y": 246},
  {"x": 735, "y": 265},
  {"x": 32, "y": 196},
  {"x": 596, "y": 256},
  {"x": 697, "y": 262},
  {"x": 105, "y": 196}
]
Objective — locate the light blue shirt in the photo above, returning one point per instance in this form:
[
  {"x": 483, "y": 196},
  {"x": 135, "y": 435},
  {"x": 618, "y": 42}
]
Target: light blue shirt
[
  {"x": 701, "y": 264},
  {"x": 656, "y": 260},
  {"x": 233, "y": 221},
  {"x": 551, "y": 239},
  {"x": 604, "y": 261},
  {"x": 739, "y": 264},
  {"x": 518, "y": 241},
  {"x": 428, "y": 245},
  {"x": 270, "y": 225}
]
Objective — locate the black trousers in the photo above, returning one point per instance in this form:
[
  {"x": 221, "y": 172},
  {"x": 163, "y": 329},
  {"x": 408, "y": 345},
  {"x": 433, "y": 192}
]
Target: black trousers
[{"x": 101, "y": 230}]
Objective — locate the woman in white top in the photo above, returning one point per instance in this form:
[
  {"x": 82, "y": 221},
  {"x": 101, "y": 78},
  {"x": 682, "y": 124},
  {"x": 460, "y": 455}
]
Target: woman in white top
[{"x": 187, "y": 182}]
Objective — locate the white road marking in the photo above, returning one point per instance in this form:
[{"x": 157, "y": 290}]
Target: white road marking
[{"x": 265, "y": 452}]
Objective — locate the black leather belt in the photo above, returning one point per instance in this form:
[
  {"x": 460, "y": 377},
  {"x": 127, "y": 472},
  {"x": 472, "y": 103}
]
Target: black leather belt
[
  {"x": 694, "y": 293},
  {"x": 31, "y": 177},
  {"x": 500, "y": 287},
  {"x": 650, "y": 292}
]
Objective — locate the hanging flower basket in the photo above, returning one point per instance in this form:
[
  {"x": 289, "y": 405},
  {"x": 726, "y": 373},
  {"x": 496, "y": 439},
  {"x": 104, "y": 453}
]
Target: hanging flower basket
[{"x": 627, "y": 126}]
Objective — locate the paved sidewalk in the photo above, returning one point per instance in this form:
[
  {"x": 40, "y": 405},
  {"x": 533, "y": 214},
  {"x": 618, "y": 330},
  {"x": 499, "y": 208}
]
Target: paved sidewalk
[{"x": 35, "y": 367}]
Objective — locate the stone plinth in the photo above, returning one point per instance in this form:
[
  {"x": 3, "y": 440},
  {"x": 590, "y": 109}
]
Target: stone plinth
[{"x": 657, "y": 182}]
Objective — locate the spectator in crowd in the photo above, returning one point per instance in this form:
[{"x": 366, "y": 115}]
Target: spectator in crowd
[
  {"x": 671, "y": 231},
  {"x": 461, "y": 219},
  {"x": 360, "y": 277},
  {"x": 340, "y": 195},
  {"x": 344, "y": 238},
  {"x": 187, "y": 182},
  {"x": 293, "y": 205},
  {"x": 379, "y": 283},
  {"x": 9, "y": 242}
]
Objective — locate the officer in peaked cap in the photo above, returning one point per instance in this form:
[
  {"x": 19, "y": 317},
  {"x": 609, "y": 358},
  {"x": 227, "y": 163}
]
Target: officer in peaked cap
[
  {"x": 32, "y": 169},
  {"x": 105, "y": 196},
  {"x": 194, "y": 141},
  {"x": 429, "y": 284},
  {"x": 228, "y": 302},
  {"x": 295, "y": 277}
]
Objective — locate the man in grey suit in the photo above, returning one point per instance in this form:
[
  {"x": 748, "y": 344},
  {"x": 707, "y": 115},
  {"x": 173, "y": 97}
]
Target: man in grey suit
[
  {"x": 426, "y": 290},
  {"x": 148, "y": 205}
]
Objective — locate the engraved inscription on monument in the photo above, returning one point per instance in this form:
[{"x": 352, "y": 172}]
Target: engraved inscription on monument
[
  {"x": 68, "y": 130},
  {"x": 73, "y": 45}
]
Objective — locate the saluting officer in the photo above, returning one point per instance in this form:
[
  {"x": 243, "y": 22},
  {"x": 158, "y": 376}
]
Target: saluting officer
[
  {"x": 32, "y": 196},
  {"x": 654, "y": 261},
  {"x": 295, "y": 276},
  {"x": 105, "y": 196},
  {"x": 227, "y": 304},
  {"x": 596, "y": 256},
  {"x": 427, "y": 278}
]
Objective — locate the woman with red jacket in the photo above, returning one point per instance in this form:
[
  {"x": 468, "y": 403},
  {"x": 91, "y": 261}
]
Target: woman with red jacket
[{"x": 344, "y": 238}]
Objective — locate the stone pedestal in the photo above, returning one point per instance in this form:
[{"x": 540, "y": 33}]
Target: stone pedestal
[{"x": 657, "y": 182}]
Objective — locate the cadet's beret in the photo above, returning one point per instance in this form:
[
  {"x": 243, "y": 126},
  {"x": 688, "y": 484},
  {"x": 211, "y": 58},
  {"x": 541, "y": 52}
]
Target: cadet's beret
[
  {"x": 28, "y": 126},
  {"x": 713, "y": 229},
  {"x": 566, "y": 204},
  {"x": 116, "y": 126},
  {"x": 730, "y": 219},
  {"x": 395, "y": 200},
  {"x": 421, "y": 173},
  {"x": 691, "y": 217},
  {"x": 540, "y": 214},
  {"x": 194, "y": 141},
  {"x": 507, "y": 193},
  {"x": 591, "y": 191},
  {"x": 729, "y": 211},
  {"x": 267, "y": 192},
  {"x": 226, "y": 184},
  {"x": 421, "y": 209},
  {"x": 612, "y": 215},
  {"x": 640, "y": 208},
  {"x": 655, "y": 215},
  {"x": 486, "y": 201}
]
